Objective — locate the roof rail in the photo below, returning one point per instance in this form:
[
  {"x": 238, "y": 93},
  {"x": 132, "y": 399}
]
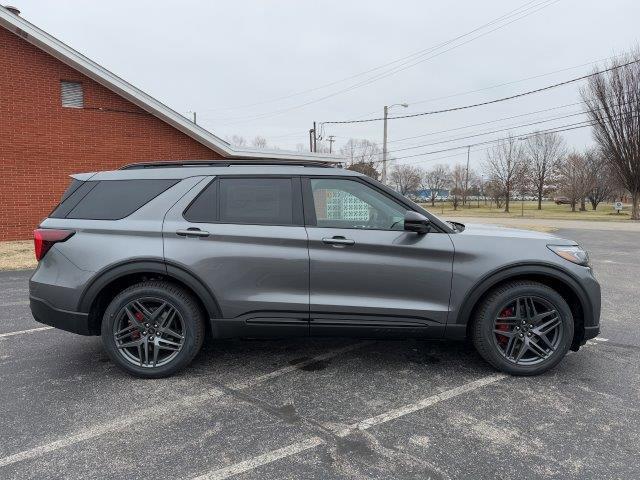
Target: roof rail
[{"x": 228, "y": 163}]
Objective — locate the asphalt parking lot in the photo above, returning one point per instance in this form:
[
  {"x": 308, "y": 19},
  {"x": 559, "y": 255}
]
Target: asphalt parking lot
[{"x": 326, "y": 408}]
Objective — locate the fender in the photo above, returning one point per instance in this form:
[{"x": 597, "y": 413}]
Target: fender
[
  {"x": 148, "y": 265},
  {"x": 519, "y": 270}
]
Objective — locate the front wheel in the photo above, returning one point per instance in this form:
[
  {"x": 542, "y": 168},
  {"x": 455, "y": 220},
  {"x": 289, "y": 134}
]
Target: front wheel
[
  {"x": 523, "y": 328},
  {"x": 153, "y": 329}
]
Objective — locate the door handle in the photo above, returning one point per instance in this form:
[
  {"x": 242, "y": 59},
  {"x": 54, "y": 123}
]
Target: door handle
[
  {"x": 338, "y": 241},
  {"x": 192, "y": 232}
]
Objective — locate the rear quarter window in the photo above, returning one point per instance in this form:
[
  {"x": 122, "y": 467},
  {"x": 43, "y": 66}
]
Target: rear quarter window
[{"x": 109, "y": 199}]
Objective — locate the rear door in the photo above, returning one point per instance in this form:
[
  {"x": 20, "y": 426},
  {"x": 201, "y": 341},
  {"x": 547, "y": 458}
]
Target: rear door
[
  {"x": 368, "y": 276},
  {"x": 244, "y": 238}
]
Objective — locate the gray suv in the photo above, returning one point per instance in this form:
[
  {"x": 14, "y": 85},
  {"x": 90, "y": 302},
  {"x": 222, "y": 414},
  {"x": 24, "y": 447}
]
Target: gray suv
[{"x": 154, "y": 256}]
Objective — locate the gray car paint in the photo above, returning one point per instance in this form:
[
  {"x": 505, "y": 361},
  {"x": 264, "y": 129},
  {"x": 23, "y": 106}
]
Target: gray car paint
[{"x": 274, "y": 279}]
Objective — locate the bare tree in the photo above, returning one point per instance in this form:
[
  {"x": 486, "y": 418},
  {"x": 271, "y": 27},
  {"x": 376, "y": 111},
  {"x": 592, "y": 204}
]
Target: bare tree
[
  {"x": 238, "y": 140},
  {"x": 362, "y": 156},
  {"x": 494, "y": 190},
  {"x": 542, "y": 152},
  {"x": 504, "y": 164},
  {"x": 601, "y": 183},
  {"x": 259, "y": 142},
  {"x": 405, "y": 178},
  {"x": 458, "y": 178},
  {"x": 436, "y": 179},
  {"x": 612, "y": 101},
  {"x": 573, "y": 177}
]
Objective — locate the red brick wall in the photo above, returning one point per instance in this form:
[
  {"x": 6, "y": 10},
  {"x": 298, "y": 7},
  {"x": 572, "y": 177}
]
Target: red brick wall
[{"x": 41, "y": 142}]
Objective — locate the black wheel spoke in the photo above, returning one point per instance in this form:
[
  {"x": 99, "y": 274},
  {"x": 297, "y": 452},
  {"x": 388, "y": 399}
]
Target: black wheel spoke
[
  {"x": 537, "y": 349},
  {"x": 149, "y": 332},
  {"x": 521, "y": 350},
  {"x": 133, "y": 343},
  {"x": 127, "y": 331},
  {"x": 527, "y": 330},
  {"x": 546, "y": 341},
  {"x": 547, "y": 326},
  {"x": 510, "y": 346}
]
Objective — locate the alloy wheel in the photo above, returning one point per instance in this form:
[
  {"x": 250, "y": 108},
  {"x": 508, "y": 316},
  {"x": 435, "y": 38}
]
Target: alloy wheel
[
  {"x": 149, "y": 332},
  {"x": 528, "y": 330}
]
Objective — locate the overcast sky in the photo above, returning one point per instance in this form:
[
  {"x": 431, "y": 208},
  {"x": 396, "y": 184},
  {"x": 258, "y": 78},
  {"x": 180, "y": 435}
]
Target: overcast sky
[{"x": 233, "y": 61}]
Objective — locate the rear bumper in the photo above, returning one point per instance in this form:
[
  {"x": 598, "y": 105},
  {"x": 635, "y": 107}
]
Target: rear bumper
[{"x": 44, "y": 312}]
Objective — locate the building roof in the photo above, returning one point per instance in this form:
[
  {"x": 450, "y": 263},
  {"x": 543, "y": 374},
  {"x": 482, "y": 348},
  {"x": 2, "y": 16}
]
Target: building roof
[{"x": 91, "y": 69}]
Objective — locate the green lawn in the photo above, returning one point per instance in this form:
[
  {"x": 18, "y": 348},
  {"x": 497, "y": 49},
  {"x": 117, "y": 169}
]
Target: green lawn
[{"x": 549, "y": 210}]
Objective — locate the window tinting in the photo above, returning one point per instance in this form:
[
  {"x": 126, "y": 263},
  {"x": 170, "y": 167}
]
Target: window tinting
[
  {"x": 342, "y": 203},
  {"x": 204, "y": 208},
  {"x": 110, "y": 199},
  {"x": 71, "y": 94},
  {"x": 256, "y": 200}
]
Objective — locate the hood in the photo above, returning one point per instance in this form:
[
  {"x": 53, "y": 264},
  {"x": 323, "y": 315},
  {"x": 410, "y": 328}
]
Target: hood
[{"x": 480, "y": 229}]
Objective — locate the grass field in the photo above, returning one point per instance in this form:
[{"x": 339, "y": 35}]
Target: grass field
[
  {"x": 549, "y": 210},
  {"x": 17, "y": 255}
]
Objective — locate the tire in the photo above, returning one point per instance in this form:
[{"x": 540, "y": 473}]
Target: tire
[
  {"x": 498, "y": 313},
  {"x": 175, "y": 326}
]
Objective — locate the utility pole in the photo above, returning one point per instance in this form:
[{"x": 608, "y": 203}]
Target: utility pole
[
  {"x": 384, "y": 146},
  {"x": 194, "y": 118},
  {"x": 331, "y": 140},
  {"x": 466, "y": 180},
  {"x": 311, "y": 139},
  {"x": 315, "y": 138},
  {"x": 384, "y": 139}
]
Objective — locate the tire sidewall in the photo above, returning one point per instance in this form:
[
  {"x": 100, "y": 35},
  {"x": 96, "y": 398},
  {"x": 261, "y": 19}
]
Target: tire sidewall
[
  {"x": 190, "y": 318},
  {"x": 492, "y": 309}
]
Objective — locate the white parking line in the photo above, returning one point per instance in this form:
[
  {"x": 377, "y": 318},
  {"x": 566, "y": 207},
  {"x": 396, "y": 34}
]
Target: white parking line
[
  {"x": 159, "y": 411},
  {"x": 14, "y": 304},
  {"x": 23, "y": 332},
  {"x": 312, "y": 442}
]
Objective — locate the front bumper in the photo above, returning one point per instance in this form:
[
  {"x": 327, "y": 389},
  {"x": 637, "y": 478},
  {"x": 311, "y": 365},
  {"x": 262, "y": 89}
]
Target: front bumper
[{"x": 44, "y": 312}]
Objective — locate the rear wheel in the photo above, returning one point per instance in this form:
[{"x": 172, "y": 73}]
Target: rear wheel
[
  {"x": 153, "y": 329},
  {"x": 523, "y": 328}
]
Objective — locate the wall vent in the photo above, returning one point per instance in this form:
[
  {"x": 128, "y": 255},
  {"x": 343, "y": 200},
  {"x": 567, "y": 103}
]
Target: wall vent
[{"x": 71, "y": 94}]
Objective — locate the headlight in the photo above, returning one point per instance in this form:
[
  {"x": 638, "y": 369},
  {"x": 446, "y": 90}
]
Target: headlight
[{"x": 573, "y": 253}]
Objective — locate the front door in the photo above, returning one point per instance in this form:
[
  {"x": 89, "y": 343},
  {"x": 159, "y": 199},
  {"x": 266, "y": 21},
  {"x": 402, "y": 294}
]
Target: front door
[
  {"x": 244, "y": 238},
  {"x": 367, "y": 275}
]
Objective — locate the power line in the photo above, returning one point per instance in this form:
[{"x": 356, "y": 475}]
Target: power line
[
  {"x": 486, "y": 123},
  {"x": 558, "y": 129},
  {"x": 489, "y": 102},
  {"x": 555, "y": 118},
  {"x": 489, "y": 133},
  {"x": 380, "y": 67},
  {"x": 491, "y": 87},
  {"x": 408, "y": 64}
]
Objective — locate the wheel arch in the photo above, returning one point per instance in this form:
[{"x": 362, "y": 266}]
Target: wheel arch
[
  {"x": 560, "y": 280},
  {"x": 113, "y": 279}
]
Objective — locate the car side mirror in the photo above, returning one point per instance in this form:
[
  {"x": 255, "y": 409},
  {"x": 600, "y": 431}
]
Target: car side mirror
[{"x": 416, "y": 222}]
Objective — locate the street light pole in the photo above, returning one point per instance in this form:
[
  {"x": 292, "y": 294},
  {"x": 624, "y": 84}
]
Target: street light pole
[
  {"x": 384, "y": 139},
  {"x": 384, "y": 146}
]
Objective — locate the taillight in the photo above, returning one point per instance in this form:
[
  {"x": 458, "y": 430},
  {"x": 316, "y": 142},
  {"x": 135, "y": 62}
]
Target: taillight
[{"x": 45, "y": 238}]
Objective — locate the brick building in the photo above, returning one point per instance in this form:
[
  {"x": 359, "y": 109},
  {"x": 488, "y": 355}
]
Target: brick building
[{"x": 61, "y": 113}]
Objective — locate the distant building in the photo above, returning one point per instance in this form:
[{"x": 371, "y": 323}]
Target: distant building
[{"x": 425, "y": 194}]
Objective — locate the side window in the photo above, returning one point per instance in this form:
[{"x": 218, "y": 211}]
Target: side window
[
  {"x": 341, "y": 203},
  {"x": 109, "y": 199},
  {"x": 204, "y": 208},
  {"x": 266, "y": 201}
]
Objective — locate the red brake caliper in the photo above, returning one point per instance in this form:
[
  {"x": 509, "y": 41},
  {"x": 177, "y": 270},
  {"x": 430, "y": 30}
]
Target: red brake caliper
[
  {"x": 136, "y": 334},
  {"x": 507, "y": 312}
]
